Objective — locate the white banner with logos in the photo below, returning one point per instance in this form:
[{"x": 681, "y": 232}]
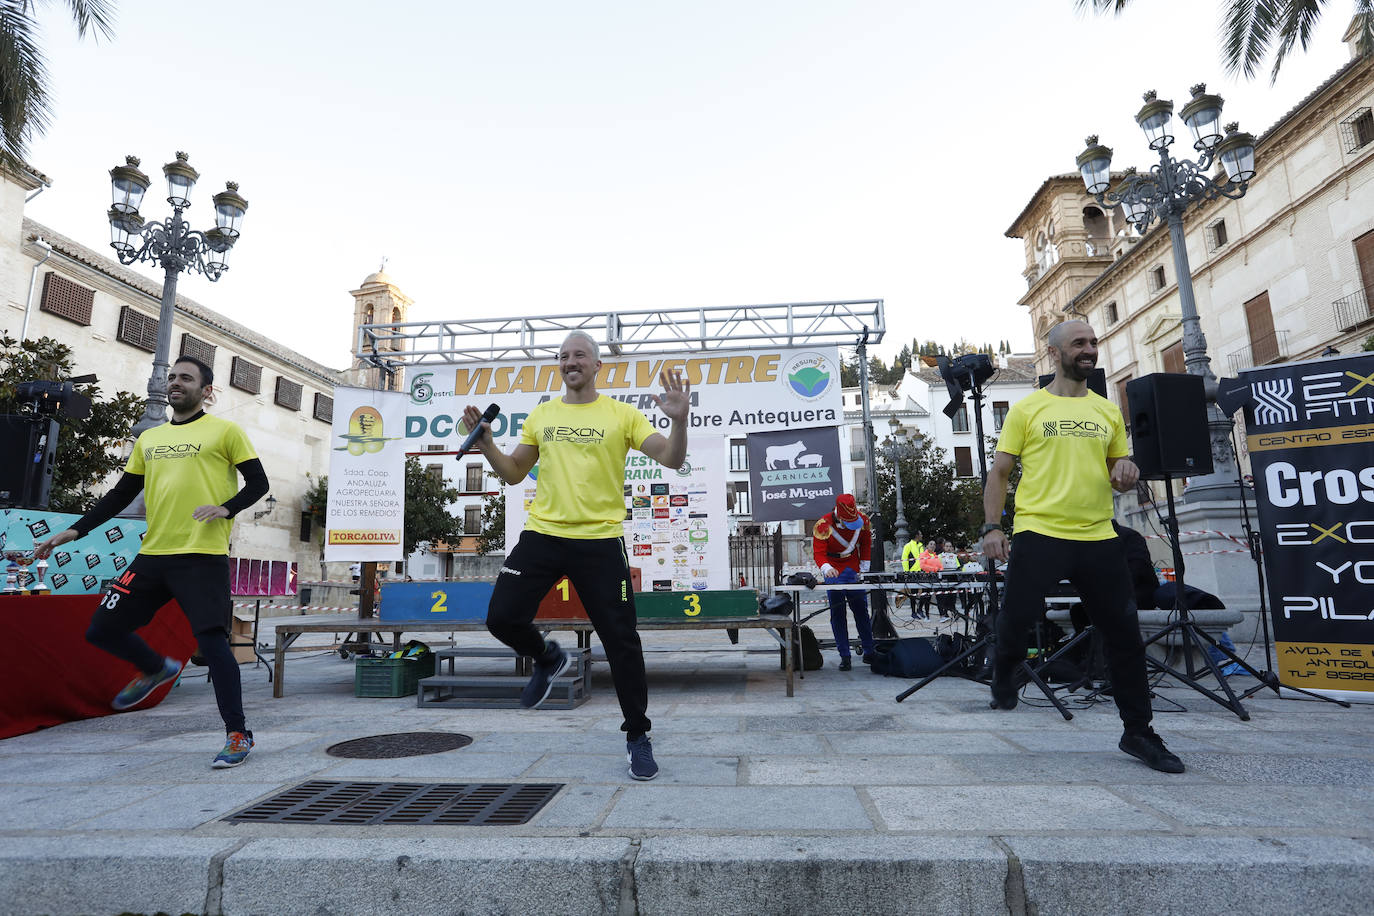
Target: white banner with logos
[
  {"x": 733, "y": 392},
  {"x": 675, "y": 527},
  {"x": 366, "y": 513}
]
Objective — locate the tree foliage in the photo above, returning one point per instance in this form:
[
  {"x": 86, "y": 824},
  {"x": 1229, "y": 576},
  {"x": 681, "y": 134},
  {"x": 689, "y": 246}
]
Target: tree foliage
[
  {"x": 1252, "y": 29},
  {"x": 25, "y": 104},
  {"x": 935, "y": 502},
  {"x": 493, "y": 536},
  {"x": 89, "y": 449}
]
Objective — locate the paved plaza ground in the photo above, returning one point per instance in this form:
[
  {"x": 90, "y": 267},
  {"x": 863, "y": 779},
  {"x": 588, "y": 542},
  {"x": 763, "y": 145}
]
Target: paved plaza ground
[{"x": 836, "y": 800}]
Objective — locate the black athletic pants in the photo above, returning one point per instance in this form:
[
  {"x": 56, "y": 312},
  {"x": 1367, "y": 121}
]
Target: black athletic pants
[
  {"x": 600, "y": 571},
  {"x": 200, "y": 585},
  {"x": 1098, "y": 571}
]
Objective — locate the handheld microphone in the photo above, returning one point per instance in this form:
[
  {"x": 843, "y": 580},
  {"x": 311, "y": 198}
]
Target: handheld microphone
[{"x": 476, "y": 432}]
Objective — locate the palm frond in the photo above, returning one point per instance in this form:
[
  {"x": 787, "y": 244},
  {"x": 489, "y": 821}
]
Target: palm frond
[
  {"x": 89, "y": 13},
  {"x": 24, "y": 103},
  {"x": 1247, "y": 29},
  {"x": 1102, "y": 6},
  {"x": 1296, "y": 23}
]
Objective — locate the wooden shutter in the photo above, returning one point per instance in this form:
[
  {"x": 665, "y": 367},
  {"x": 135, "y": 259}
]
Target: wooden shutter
[
  {"x": 1173, "y": 358},
  {"x": 1364, "y": 254},
  {"x": 1264, "y": 346}
]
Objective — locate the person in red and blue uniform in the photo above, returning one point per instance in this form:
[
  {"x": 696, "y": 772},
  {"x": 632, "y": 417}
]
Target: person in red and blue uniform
[{"x": 842, "y": 544}]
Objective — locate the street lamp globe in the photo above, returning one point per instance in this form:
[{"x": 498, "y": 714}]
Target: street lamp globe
[
  {"x": 1202, "y": 114},
  {"x": 1153, "y": 118},
  {"x": 181, "y": 178}
]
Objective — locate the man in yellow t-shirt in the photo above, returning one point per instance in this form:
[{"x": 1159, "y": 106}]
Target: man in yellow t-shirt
[
  {"x": 188, "y": 470},
  {"x": 1072, "y": 446},
  {"x": 575, "y": 527}
]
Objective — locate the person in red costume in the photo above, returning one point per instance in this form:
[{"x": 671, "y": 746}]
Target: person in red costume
[{"x": 842, "y": 543}]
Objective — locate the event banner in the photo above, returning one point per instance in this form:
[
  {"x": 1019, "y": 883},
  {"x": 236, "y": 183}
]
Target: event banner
[
  {"x": 675, "y": 526},
  {"x": 80, "y": 567},
  {"x": 366, "y": 512},
  {"x": 733, "y": 392},
  {"x": 1310, "y": 431},
  {"x": 794, "y": 473}
]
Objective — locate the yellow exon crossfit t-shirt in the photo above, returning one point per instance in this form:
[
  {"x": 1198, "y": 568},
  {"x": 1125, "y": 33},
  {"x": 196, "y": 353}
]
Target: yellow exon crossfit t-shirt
[
  {"x": 1064, "y": 444},
  {"x": 581, "y": 485},
  {"x": 186, "y": 465}
]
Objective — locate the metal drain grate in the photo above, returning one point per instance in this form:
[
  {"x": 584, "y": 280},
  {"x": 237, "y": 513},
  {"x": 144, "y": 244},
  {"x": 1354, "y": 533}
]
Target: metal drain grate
[
  {"x": 401, "y": 744},
  {"x": 479, "y": 804}
]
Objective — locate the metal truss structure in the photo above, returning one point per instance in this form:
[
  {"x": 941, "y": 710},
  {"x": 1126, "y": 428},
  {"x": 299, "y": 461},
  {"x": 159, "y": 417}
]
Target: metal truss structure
[{"x": 737, "y": 327}]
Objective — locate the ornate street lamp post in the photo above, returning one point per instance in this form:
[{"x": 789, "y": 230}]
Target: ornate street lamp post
[
  {"x": 174, "y": 245},
  {"x": 1165, "y": 194},
  {"x": 901, "y": 534}
]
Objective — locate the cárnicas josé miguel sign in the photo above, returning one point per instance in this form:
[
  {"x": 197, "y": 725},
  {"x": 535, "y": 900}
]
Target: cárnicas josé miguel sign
[
  {"x": 793, "y": 473},
  {"x": 1310, "y": 433}
]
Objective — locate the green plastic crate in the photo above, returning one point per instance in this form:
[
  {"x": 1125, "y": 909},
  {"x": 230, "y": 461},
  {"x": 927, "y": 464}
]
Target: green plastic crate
[{"x": 391, "y": 677}]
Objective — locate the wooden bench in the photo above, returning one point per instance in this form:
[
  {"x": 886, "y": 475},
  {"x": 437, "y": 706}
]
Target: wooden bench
[{"x": 290, "y": 629}]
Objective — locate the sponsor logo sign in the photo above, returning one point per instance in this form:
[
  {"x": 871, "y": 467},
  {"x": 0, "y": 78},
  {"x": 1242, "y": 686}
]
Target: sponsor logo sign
[{"x": 793, "y": 473}]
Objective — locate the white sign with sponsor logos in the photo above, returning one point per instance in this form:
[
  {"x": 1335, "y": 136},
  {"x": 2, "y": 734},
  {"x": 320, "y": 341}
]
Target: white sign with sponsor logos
[
  {"x": 366, "y": 514},
  {"x": 675, "y": 531}
]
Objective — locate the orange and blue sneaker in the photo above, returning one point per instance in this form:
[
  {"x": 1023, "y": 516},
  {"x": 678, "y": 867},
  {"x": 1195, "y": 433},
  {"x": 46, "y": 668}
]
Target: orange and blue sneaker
[
  {"x": 137, "y": 690},
  {"x": 236, "y": 748}
]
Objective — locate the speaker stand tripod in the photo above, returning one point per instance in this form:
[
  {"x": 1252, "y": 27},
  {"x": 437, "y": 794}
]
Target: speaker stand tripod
[{"x": 1192, "y": 638}]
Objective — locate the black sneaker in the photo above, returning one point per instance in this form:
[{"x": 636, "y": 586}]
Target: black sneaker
[
  {"x": 1149, "y": 748},
  {"x": 1003, "y": 688},
  {"x": 547, "y": 668},
  {"x": 640, "y": 754},
  {"x": 845, "y": 663}
]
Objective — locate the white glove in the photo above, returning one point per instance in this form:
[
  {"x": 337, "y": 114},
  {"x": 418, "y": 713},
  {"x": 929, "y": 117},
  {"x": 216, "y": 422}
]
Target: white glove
[
  {"x": 863, "y": 566},
  {"x": 829, "y": 572}
]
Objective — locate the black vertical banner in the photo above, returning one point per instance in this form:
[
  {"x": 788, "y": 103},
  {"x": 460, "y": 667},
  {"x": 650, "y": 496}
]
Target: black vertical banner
[
  {"x": 1310, "y": 432},
  {"x": 794, "y": 473}
]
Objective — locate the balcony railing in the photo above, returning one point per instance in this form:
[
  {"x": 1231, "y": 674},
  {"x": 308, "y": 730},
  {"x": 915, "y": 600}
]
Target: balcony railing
[
  {"x": 1353, "y": 310},
  {"x": 1271, "y": 348}
]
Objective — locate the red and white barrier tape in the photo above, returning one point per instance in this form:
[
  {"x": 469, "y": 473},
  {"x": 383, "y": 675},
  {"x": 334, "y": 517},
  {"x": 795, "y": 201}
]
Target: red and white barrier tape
[
  {"x": 297, "y": 607},
  {"x": 1216, "y": 534}
]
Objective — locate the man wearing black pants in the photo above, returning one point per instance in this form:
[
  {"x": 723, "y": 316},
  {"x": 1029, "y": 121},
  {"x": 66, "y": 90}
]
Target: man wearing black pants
[
  {"x": 575, "y": 527},
  {"x": 1072, "y": 446},
  {"x": 187, "y": 470}
]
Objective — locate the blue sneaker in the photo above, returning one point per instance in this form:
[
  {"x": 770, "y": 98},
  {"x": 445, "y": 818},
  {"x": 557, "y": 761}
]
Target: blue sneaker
[
  {"x": 236, "y": 748},
  {"x": 547, "y": 668},
  {"x": 640, "y": 754},
  {"x": 137, "y": 690}
]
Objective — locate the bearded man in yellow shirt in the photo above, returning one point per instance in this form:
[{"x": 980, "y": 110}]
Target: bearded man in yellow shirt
[
  {"x": 575, "y": 527},
  {"x": 1072, "y": 446}
]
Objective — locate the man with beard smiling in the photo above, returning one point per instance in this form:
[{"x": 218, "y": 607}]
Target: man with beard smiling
[
  {"x": 188, "y": 471},
  {"x": 1072, "y": 446},
  {"x": 576, "y": 527}
]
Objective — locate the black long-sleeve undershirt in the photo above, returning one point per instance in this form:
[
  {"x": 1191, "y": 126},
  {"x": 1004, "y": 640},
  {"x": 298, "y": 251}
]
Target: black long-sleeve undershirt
[{"x": 255, "y": 487}]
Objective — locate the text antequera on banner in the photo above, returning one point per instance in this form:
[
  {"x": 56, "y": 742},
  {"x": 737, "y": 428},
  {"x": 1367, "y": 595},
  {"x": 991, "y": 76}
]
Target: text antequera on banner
[{"x": 1310, "y": 432}]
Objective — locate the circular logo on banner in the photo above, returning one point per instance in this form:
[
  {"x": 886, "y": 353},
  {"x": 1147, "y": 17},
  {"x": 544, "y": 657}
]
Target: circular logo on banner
[{"x": 809, "y": 375}]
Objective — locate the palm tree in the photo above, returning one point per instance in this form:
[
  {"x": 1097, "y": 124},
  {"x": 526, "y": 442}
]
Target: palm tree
[
  {"x": 25, "y": 107},
  {"x": 1251, "y": 28}
]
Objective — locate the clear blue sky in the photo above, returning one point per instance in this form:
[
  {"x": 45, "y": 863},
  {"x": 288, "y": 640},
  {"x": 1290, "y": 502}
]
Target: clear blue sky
[{"x": 550, "y": 157}]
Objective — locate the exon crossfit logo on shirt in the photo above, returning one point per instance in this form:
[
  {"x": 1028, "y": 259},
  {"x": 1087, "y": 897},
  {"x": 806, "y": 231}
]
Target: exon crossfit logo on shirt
[
  {"x": 1274, "y": 401},
  {"x": 582, "y": 435},
  {"x": 1081, "y": 429},
  {"x": 181, "y": 450}
]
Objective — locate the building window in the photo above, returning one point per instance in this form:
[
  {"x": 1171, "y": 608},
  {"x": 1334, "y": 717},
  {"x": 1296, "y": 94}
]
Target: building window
[
  {"x": 1123, "y": 401},
  {"x": 1259, "y": 320},
  {"x": 1156, "y": 278},
  {"x": 963, "y": 461},
  {"x": 245, "y": 376},
  {"x": 1172, "y": 358},
  {"x": 1113, "y": 316},
  {"x": 288, "y": 393},
  {"x": 324, "y": 408},
  {"x": 999, "y": 414},
  {"x": 1357, "y": 131},
  {"x": 861, "y": 485},
  {"x": 435, "y": 472},
  {"x": 305, "y": 528},
  {"x": 472, "y": 520},
  {"x": 434, "y": 448},
  {"x": 472, "y": 482},
  {"x": 960, "y": 419},
  {"x": 137, "y": 329},
  {"x": 196, "y": 348},
  {"x": 66, "y": 299},
  {"x": 737, "y": 497},
  {"x": 739, "y": 455},
  {"x": 1216, "y": 235}
]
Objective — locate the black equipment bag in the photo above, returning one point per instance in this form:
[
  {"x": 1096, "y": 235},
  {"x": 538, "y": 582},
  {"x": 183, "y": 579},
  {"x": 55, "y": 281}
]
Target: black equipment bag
[
  {"x": 911, "y": 657},
  {"x": 809, "y": 656}
]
